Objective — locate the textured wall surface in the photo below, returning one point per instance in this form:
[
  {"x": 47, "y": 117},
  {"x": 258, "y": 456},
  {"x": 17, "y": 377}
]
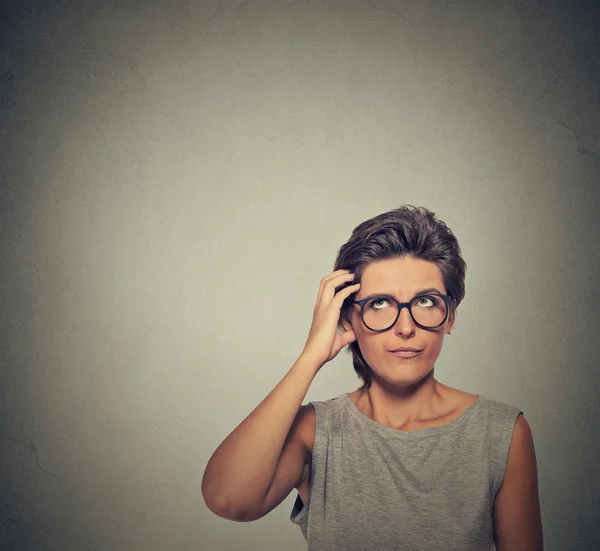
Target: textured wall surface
[{"x": 176, "y": 178}]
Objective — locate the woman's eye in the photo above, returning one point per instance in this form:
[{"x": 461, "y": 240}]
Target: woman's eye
[
  {"x": 424, "y": 301},
  {"x": 376, "y": 303}
]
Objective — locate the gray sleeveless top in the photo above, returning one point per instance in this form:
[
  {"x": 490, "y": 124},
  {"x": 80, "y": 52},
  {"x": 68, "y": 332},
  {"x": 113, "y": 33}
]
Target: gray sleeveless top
[{"x": 376, "y": 488}]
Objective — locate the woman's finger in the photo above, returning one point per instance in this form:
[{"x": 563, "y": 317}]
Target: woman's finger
[
  {"x": 330, "y": 286},
  {"x": 327, "y": 278}
]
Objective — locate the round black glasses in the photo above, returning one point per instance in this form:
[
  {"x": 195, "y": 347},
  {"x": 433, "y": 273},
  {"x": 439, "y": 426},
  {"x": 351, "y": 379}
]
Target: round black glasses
[{"x": 381, "y": 312}]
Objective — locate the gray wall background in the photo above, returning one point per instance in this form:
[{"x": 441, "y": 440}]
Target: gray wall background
[{"x": 176, "y": 178}]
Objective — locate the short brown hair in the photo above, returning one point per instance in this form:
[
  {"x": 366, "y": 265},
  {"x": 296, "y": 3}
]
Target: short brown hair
[{"x": 405, "y": 231}]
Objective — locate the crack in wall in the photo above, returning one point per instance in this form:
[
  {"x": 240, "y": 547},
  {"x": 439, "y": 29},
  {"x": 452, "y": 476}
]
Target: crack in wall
[
  {"x": 32, "y": 449},
  {"x": 584, "y": 151}
]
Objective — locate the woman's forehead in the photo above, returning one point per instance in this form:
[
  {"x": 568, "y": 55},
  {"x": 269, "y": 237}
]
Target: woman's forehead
[{"x": 401, "y": 275}]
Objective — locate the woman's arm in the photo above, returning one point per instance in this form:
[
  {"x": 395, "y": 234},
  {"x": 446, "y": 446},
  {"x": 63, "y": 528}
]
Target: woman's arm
[
  {"x": 239, "y": 475},
  {"x": 517, "y": 519},
  {"x": 262, "y": 460}
]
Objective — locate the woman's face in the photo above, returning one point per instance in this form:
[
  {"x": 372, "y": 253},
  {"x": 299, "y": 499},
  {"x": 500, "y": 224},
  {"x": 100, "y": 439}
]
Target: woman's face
[{"x": 402, "y": 278}]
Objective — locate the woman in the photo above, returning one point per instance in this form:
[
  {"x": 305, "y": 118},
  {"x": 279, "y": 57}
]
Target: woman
[{"x": 403, "y": 462}]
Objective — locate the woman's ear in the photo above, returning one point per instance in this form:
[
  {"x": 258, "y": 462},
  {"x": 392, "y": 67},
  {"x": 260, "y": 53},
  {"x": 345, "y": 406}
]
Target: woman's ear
[
  {"x": 347, "y": 324},
  {"x": 450, "y": 324}
]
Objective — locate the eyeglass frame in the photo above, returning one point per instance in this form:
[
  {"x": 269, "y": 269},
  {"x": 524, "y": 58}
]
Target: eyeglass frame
[{"x": 361, "y": 303}]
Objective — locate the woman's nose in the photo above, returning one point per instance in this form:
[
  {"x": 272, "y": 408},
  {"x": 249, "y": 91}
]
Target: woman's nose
[{"x": 404, "y": 324}]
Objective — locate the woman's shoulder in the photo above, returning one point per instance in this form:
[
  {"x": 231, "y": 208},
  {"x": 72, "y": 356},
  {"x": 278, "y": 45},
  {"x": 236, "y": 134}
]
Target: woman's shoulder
[
  {"x": 460, "y": 400},
  {"x": 499, "y": 406},
  {"x": 306, "y": 419},
  {"x": 463, "y": 400}
]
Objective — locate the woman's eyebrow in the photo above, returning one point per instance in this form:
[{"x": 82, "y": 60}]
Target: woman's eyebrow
[
  {"x": 429, "y": 290},
  {"x": 420, "y": 292}
]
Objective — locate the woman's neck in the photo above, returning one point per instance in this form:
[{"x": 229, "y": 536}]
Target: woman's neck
[{"x": 404, "y": 407}]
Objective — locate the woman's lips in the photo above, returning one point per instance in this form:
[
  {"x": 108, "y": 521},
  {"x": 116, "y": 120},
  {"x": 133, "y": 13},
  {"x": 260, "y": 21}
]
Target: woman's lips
[{"x": 406, "y": 354}]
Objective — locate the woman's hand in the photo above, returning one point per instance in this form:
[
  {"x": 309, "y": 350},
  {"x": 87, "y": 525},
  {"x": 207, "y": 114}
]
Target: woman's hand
[{"x": 324, "y": 342}]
